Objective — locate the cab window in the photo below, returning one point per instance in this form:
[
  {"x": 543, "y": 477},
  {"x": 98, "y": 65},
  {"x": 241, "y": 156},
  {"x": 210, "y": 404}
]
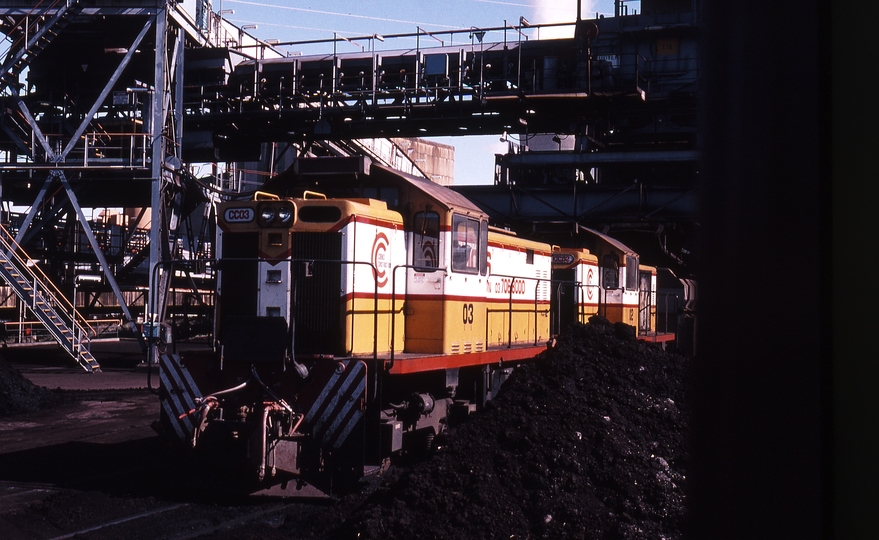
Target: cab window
[
  {"x": 465, "y": 245},
  {"x": 610, "y": 271},
  {"x": 426, "y": 240},
  {"x": 631, "y": 273}
]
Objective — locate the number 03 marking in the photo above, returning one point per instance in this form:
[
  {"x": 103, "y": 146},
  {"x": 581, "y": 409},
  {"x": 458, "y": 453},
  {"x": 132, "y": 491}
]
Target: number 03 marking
[{"x": 468, "y": 313}]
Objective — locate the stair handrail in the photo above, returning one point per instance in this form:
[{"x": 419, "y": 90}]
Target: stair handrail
[
  {"x": 25, "y": 47},
  {"x": 12, "y": 248}
]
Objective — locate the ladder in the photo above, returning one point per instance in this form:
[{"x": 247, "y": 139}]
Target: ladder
[
  {"x": 35, "y": 290},
  {"x": 33, "y": 34}
]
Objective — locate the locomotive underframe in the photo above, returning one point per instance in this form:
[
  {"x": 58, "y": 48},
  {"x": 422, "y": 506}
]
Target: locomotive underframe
[{"x": 243, "y": 430}]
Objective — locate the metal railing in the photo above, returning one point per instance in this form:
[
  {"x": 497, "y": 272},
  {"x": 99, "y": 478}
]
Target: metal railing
[
  {"x": 582, "y": 295},
  {"x": 510, "y": 311},
  {"x": 42, "y": 285},
  {"x": 34, "y": 332},
  {"x": 131, "y": 150}
]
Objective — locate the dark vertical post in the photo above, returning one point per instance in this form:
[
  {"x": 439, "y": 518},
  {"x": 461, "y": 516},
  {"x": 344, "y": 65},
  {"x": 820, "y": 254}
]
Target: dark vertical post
[{"x": 756, "y": 447}]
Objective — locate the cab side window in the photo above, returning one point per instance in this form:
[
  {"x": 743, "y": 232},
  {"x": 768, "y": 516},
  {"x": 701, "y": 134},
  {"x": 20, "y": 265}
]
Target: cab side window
[
  {"x": 465, "y": 245},
  {"x": 610, "y": 271},
  {"x": 631, "y": 273},
  {"x": 426, "y": 240}
]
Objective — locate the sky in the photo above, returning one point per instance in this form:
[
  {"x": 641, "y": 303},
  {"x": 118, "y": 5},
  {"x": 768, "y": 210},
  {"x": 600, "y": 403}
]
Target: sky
[{"x": 287, "y": 20}]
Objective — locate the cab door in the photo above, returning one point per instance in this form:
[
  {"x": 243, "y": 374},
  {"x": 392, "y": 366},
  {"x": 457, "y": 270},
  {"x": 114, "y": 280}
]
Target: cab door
[
  {"x": 644, "y": 293},
  {"x": 423, "y": 305},
  {"x": 564, "y": 299}
]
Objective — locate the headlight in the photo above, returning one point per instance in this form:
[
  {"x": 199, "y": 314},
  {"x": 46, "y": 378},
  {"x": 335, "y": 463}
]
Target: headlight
[
  {"x": 285, "y": 214},
  {"x": 267, "y": 215}
]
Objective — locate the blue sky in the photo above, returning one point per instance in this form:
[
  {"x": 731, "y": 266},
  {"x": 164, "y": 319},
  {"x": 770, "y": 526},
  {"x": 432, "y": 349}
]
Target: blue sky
[{"x": 314, "y": 20}]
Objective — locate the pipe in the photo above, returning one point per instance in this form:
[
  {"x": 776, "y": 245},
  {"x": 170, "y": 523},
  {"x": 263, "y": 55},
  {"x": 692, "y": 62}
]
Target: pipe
[{"x": 264, "y": 458}]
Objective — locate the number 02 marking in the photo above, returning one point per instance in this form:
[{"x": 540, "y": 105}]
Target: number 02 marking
[{"x": 468, "y": 313}]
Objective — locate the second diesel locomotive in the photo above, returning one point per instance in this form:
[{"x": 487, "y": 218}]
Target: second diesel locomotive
[{"x": 352, "y": 329}]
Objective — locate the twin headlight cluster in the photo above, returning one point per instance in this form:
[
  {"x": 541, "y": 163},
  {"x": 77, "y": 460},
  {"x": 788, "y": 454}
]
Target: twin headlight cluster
[{"x": 275, "y": 214}]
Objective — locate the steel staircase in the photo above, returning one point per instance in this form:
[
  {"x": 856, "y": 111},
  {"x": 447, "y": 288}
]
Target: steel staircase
[
  {"x": 36, "y": 291},
  {"x": 29, "y": 43}
]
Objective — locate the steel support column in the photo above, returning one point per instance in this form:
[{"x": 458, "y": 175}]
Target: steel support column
[{"x": 158, "y": 233}]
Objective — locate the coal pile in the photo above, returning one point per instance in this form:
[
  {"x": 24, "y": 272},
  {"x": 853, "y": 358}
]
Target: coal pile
[
  {"x": 18, "y": 395},
  {"x": 588, "y": 443}
]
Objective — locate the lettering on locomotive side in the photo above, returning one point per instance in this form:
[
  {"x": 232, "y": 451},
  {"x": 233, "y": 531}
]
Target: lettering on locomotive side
[
  {"x": 468, "y": 313},
  {"x": 503, "y": 286},
  {"x": 239, "y": 215}
]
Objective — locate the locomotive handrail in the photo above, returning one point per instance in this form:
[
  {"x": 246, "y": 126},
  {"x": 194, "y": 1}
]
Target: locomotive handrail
[
  {"x": 375, "y": 298},
  {"x": 536, "y": 287},
  {"x": 576, "y": 285},
  {"x": 602, "y": 297},
  {"x": 510, "y": 309},
  {"x": 582, "y": 305},
  {"x": 642, "y": 293},
  {"x": 152, "y": 307},
  {"x": 146, "y": 343},
  {"x": 581, "y": 289},
  {"x": 667, "y": 312},
  {"x": 265, "y": 196}
]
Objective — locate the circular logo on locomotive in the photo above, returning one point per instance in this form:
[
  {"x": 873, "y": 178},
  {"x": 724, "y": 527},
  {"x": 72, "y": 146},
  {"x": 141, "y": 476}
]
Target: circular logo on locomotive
[
  {"x": 380, "y": 259},
  {"x": 589, "y": 278},
  {"x": 428, "y": 254}
]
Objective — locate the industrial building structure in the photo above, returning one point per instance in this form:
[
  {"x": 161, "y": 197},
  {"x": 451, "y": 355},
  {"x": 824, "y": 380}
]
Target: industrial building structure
[{"x": 124, "y": 123}]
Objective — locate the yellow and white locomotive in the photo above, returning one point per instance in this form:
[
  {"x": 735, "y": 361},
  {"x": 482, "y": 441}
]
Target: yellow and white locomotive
[
  {"x": 606, "y": 279},
  {"x": 347, "y": 331},
  {"x": 353, "y": 328}
]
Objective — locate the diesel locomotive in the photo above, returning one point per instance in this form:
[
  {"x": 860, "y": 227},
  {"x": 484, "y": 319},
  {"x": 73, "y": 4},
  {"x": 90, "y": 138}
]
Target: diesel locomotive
[{"x": 353, "y": 329}]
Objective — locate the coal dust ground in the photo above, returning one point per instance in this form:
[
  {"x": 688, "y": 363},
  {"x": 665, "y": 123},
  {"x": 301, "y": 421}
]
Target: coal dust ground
[
  {"x": 18, "y": 395},
  {"x": 587, "y": 442}
]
